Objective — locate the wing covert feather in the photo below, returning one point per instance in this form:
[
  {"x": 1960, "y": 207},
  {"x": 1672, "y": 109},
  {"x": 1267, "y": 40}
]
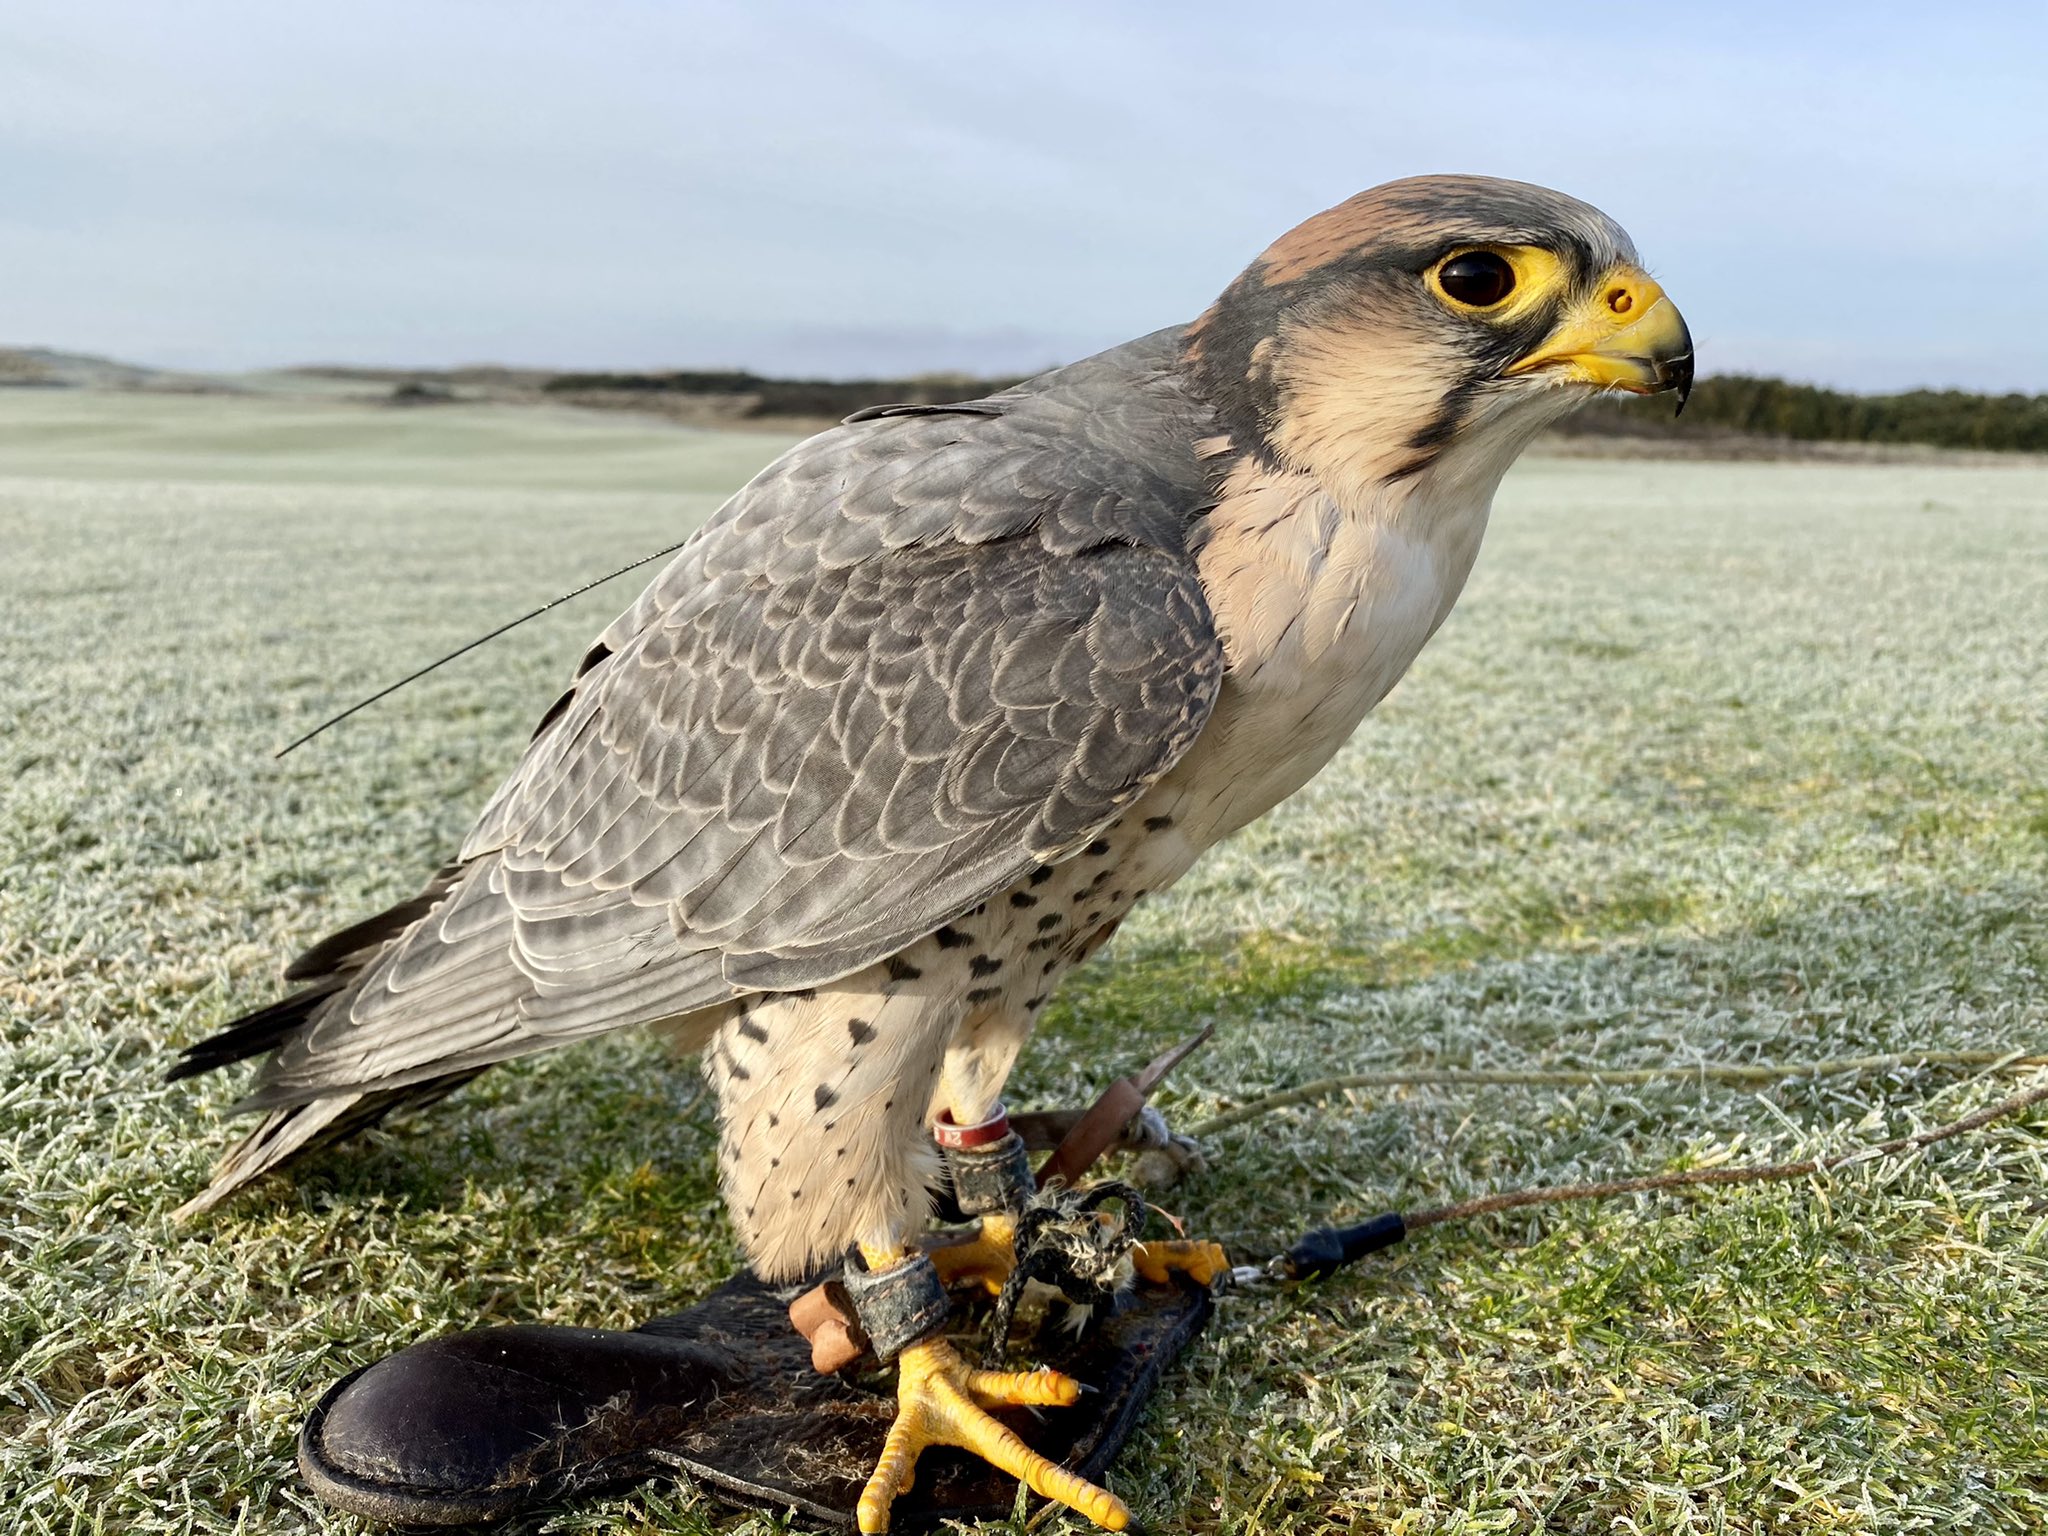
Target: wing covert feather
[{"x": 919, "y": 655}]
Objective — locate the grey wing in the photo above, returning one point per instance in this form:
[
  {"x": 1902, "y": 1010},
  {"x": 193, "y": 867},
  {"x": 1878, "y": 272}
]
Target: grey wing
[{"x": 913, "y": 660}]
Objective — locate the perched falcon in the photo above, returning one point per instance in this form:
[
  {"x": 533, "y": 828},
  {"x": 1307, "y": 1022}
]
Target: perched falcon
[{"x": 919, "y": 715}]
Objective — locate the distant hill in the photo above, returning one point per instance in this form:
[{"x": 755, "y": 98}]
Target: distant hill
[
  {"x": 1725, "y": 409},
  {"x": 46, "y": 368}
]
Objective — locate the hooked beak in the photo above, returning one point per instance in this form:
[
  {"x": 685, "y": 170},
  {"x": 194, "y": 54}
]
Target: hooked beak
[{"x": 1627, "y": 335}]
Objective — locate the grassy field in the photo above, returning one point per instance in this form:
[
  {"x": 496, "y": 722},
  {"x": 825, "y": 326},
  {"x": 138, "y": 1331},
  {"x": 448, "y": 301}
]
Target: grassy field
[{"x": 1715, "y": 763}]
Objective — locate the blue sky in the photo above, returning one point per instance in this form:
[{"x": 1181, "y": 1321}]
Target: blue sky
[{"x": 1851, "y": 194}]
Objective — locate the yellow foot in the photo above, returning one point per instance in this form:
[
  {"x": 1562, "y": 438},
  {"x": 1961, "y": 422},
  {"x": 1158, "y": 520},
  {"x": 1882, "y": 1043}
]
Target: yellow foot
[
  {"x": 1202, "y": 1262},
  {"x": 941, "y": 1400},
  {"x": 985, "y": 1259}
]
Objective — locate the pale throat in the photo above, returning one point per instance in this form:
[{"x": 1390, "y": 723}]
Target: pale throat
[{"x": 1323, "y": 599}]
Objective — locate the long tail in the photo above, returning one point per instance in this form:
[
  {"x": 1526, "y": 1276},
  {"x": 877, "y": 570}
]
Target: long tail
[
  {"x": 286, "y": 1134},
  {"x": 328, "y": 969}
]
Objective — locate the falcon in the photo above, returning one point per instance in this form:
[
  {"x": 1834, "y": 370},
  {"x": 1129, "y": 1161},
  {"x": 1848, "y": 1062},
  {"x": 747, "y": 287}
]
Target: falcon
[{"x": 906, "y": 729}]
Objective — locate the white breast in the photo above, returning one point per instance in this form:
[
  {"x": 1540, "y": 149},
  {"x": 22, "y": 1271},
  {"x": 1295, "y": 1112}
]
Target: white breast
[{"x": 1321, "y": 612}]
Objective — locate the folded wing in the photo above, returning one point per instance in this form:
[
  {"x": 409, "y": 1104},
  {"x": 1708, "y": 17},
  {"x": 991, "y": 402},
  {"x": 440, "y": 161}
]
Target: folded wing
[{"x": 916, "y": 657}]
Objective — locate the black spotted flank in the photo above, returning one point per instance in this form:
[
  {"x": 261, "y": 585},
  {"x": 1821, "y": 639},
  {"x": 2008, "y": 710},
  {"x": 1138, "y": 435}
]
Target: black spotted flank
[
  {"x": 752, "y": 1031},
  {"x": 984, "y": 965},
  {"x": 861, "y": 1030},
  {"x": 1098, "y": 848},
  {"x": 1021, "y": 899},
  {"x": 901, "y": 969},
  {"x": 725, "y": 1059},
  {"x": 1035, "y": 1002},
  {"x": 823, "y": 1097},
  {"x": 1050, "y": 921},
  {"x": 984, "y": 994},
  {"x": 950, "y": 937},
  {"x": 1041, "y": 874},
  {"x": 1158, "y": 823}
]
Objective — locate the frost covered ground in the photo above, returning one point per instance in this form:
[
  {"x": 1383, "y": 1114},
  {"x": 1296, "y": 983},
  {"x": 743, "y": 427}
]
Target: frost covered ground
[{"x": 1715, "y": 762}]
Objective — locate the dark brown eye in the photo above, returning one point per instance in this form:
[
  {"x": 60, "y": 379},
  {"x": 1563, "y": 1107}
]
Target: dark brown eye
[{"x": 1478, "y": 278}]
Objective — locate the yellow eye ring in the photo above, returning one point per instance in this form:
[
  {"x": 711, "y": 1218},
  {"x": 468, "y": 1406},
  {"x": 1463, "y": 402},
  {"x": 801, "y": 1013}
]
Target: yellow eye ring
[
  {"x": 1479, "y": 279},
  {"x": 1491, "y": 281}
]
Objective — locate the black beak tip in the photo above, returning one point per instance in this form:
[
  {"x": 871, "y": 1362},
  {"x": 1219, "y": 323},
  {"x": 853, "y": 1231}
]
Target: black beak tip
[{"x": 1678, "y": 378}]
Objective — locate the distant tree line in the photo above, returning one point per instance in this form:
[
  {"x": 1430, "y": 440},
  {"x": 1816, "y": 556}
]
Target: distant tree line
[
  {"x": 784, "y": 397},
  {"x": 1725, "y": 404},
  {"x": 1738, "y": 403}
]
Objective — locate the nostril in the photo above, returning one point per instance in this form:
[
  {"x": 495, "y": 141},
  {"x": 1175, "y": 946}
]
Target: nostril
[{"x": 1621, "y": 301}]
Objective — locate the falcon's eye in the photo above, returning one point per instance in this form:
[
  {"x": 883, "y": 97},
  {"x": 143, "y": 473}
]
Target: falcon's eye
[{"x": 1478, "y": 278}]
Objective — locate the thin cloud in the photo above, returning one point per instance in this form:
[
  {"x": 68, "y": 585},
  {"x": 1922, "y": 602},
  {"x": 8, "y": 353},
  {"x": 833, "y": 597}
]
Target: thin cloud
[{"x": 880, "y": 189}]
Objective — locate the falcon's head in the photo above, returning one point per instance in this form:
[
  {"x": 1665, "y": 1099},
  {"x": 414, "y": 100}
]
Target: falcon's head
[{"x": 1441, "y": 318}]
